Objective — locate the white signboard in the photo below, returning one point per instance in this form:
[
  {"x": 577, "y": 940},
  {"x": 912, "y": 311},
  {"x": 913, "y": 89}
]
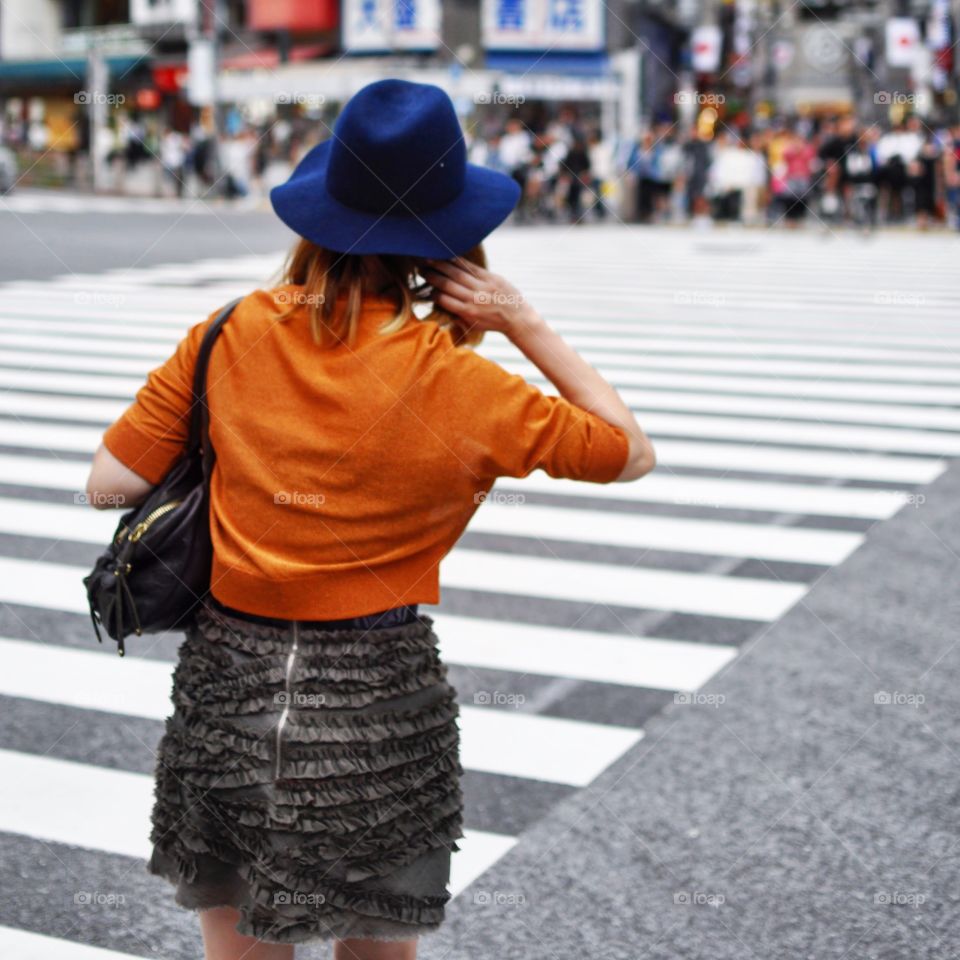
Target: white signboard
[
  {"x": 151, "y": 12},
  {"x": 366, "y": 25},
  {"x": 938, "y": 25},
  {"x": 705, "y": 44},
  {"x": 551, "y": 25},
  {"x": 902, "y": 41},
  {"x": 416, "y": 24},
  {"x": 376, "y": 26},
  {"x": 201, "y": 73}
]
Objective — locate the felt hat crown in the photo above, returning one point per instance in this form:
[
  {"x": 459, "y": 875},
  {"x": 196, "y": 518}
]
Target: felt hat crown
[{"x": 394, "y": 178}]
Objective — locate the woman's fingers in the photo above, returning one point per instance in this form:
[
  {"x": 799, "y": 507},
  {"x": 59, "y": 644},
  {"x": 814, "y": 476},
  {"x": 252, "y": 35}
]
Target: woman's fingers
[
  {"x": 447, "y": 285},
  {"x": 475, "y": 294},
  {"x": 472, "y": 268},
  {"x": 451, "y": 269},
  {"x": 451, "y": 304}
]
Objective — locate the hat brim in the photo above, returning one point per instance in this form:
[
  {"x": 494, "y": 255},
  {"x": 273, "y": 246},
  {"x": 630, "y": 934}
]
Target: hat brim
[{"x": 305, "y": 205}]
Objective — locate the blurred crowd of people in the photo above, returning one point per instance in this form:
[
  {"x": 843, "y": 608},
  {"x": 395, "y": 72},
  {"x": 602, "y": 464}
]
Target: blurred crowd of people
[
  {"x": 245, "y": 160},
  {"x": 832, "y": 170},
  {"x": 827, "y": 170},
  {"x": 143, "y": 155}
]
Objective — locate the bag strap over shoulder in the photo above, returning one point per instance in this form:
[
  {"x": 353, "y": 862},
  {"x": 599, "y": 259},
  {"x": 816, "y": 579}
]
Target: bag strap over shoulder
[{"x": 199, "y": 439}]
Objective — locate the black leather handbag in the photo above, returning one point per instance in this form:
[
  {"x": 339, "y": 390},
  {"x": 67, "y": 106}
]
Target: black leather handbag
[{"x": 156, "y": 570}]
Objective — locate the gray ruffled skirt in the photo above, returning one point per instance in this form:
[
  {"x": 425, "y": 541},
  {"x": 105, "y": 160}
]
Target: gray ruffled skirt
[{"x": 310, "y": 777}]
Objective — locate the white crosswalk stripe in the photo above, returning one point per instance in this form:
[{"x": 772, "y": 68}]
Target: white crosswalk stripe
[
  {"x": 787, "y": 416},
  {"x": 531, "y": 521},
  {"x": 25, "y": 945},
  {"x": 541, "y": 748},
  {"x": 109, "y": 810}
]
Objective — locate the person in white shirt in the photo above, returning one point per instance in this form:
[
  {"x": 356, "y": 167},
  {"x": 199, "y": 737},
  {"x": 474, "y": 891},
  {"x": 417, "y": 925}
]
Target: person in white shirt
[
  {"x": 735, "y": 177},
  {"x": 601, "y": 166},
  {"x": 237, "y": 154},
  {"x": 897, "y": 149},
  {"x": 515, "y": 156},
  {"x": 173, "y": 157},
  {"x": 515, "y": 147}
]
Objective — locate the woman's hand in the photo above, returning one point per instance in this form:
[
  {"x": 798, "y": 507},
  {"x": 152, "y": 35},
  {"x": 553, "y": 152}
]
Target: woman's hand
[{"x": 482, "y": 299}]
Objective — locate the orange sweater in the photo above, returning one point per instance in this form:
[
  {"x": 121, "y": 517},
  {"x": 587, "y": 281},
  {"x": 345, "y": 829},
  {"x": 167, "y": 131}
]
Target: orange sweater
[{"x": 344, "y": 475}]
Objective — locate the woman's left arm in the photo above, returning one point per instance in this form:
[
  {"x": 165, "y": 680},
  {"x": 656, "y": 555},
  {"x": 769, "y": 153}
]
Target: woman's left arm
[
  {"x": 113, "y": 484},
  {"x": 140, "y": 447}
]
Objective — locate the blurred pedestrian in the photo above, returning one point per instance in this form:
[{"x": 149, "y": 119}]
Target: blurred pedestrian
[
  {"x": 897, "y": 150},
  {"x": 202, "y": 156},
  {"x": 173, "y": 158},
  {"x": 838, "y": 138},
  {"x": 515, "y": 157},
  {"x": 791, "y": 178},
  {"x": 951, "y": 172},
  {"x": 644, "y": 165},
  {"x": 601, "y": 169},
  {"x": 861, "y": 181},
  {"x": 698, "y": 155},
  {"x": 237, "y": 155},
  {"x": 576, "y": 169},
  {"x": 923, "y": 175},
  {"x": 735, "y": 176}
]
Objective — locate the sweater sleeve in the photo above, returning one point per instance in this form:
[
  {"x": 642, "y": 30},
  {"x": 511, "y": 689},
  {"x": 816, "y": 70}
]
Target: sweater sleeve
[
  {"x": 151, "y": 434},
  {"x": 511, "y": 428}
]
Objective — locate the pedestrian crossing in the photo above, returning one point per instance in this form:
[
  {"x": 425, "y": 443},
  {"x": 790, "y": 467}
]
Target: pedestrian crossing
[{"x": 791, "y": 405}]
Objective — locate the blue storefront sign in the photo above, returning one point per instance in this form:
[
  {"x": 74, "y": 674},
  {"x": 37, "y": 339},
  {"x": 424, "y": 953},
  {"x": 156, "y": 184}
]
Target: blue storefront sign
[{"x": 555, "y": 25}]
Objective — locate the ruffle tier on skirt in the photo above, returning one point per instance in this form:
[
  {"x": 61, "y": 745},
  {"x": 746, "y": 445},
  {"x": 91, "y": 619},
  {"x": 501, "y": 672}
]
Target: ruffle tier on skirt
[{"x": 310, "y": 778}]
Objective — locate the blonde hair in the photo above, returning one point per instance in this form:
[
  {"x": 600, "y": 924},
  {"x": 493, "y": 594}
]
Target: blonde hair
[{"x": 333, "y": 291}]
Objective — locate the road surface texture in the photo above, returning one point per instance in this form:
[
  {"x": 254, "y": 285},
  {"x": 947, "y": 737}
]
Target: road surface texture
[{"x": 707, "y": 714}]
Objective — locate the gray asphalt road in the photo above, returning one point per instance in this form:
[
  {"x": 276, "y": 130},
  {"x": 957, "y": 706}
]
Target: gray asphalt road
[
  {"x": 43, "y": 242},
  {"x": 671, "y": 737}
]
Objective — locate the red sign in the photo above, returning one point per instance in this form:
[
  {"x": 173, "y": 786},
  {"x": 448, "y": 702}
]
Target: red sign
[
  {"x": 170, "y": 78},
  {"x": 295, "y": 15}
]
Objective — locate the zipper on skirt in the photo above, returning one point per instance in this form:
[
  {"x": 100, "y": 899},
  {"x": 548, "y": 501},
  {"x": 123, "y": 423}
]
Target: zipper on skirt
[{"x": 288, "y": 697}]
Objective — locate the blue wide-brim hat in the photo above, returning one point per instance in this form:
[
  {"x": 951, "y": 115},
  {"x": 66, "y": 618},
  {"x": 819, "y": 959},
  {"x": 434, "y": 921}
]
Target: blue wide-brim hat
[{"x": 394, "y": 178}]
